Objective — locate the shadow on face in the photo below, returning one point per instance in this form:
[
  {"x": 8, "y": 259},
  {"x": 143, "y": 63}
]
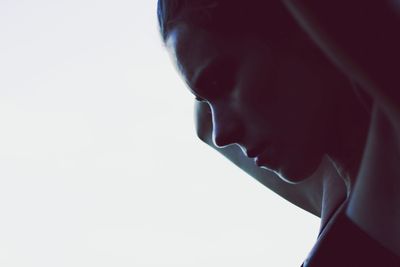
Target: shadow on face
[
  {"x": 281, "y": 105},
  {"x": 305, "y": 195}
]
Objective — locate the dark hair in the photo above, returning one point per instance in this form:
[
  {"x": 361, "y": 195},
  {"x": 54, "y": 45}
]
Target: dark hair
[{"x": 267, "y": 17}]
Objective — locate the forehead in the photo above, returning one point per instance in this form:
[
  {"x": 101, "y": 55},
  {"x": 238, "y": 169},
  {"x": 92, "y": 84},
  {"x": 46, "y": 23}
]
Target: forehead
[{"x": 192, "y": 47}]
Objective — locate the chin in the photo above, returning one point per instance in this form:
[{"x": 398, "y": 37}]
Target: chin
[
  {"x": 297, "y": 173},
  {"x": 293, "y": 176}
]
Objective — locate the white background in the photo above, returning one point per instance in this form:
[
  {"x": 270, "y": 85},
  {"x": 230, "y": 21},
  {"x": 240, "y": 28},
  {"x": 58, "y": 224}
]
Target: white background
[{"x": 99, "y": 163}]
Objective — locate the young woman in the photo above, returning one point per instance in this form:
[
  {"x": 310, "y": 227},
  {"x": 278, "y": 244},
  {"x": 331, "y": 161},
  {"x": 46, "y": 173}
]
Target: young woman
[{"x": 291, "y": 101}]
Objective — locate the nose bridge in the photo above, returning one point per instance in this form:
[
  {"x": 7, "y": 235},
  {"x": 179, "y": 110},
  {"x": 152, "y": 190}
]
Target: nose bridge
[{"x": 227, "y": 126}]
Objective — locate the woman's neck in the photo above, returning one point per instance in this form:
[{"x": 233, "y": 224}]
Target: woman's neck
[
  {"x": 334, "y": 195},
  {"x": 333, "y": 190}
]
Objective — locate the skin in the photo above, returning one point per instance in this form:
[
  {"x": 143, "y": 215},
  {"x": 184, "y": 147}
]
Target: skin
[
  {"x": 375, "y": 199},
  {"x": 287, "y": 125},
  {"x": 295, "y": 128},
  {"x": 320, "y": 194}
]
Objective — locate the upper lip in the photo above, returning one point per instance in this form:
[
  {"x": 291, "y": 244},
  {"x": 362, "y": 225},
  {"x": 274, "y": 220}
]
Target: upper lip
[{"x": 253, "y": 152}]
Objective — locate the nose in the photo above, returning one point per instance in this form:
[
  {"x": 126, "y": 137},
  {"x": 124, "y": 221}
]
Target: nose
[{"x": 227, "y": 126}]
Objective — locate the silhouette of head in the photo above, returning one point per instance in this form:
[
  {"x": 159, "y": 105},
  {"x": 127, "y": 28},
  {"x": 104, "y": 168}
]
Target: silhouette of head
[{"x": 270, "y": 90}]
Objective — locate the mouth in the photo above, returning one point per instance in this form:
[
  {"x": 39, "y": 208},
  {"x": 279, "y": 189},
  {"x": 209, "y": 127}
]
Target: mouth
[
  {"x": 267, "y": 159},
  {"x": 264, "y": 156}
]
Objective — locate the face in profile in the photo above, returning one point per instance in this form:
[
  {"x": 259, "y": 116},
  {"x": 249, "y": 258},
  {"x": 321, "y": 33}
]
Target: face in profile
[{"x": 275, "y": 101}]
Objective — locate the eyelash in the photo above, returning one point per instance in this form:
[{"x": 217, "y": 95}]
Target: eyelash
[{"x": 218, "y": 78}]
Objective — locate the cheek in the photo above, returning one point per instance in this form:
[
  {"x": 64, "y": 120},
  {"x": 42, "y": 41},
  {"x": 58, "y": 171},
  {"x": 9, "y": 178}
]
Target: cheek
[
  {"x": 301, "y": 89},
  {"x": 293, "y": 105},
  {"x": 255, "y": 92},
  {"x": 256, "y": 75},
  {"x": 286, "y": 95}
]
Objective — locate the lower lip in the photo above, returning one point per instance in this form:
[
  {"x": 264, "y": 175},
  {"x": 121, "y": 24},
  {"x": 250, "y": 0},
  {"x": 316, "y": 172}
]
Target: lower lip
[
  {"x": 257, "y": 161},
  {"x": 269, "y": 163}
]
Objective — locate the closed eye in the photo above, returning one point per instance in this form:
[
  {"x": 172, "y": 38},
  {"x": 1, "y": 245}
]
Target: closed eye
[{"x": 217, "y": 78}]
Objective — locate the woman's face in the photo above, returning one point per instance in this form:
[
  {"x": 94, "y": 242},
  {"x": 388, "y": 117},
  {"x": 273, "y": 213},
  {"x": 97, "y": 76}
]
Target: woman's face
[{"x": 275, "y": 102}]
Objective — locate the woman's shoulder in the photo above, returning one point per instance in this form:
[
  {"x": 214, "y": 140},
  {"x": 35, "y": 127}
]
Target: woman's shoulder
[{"x": 343, "y": 243}]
